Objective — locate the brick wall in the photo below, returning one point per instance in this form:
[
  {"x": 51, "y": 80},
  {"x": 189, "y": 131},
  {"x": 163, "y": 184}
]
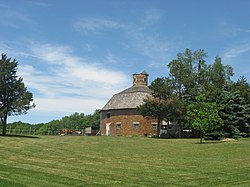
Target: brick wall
[{"x": 126, "y": 122}]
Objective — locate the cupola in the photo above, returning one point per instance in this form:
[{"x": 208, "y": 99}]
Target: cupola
[{"x": 140, "y": 79}]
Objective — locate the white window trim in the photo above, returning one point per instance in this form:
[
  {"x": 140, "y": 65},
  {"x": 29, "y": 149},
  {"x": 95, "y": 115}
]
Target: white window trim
[
  {"x": 136, "y": 125},
  {"x": 154, "y": 124},
  {"x": 118, "y": 124}
]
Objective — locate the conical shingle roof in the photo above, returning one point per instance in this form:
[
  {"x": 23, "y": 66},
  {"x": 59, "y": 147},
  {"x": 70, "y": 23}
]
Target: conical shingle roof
[
  {"x": 129, "y": 98},
  {"x": 132, "y": 97}
]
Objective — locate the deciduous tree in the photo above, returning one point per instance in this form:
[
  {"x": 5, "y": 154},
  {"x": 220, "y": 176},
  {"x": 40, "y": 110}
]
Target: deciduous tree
[
  {"x": 157, "y": 108},
  {"x": 15, "y": 99},
  {"x": 204, "y": 116}
]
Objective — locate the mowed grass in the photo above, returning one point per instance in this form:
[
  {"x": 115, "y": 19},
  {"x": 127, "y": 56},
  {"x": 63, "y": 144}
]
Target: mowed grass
[{"x": 122, "y": 161}]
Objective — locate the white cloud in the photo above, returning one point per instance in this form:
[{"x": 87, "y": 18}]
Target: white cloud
[
  {"x": 235, "y": 52},
  {"x": 151, "y": 17},
  {"x": 88, "y": 47},
  {"x": 237, "y": 57},
  {"x": 39, "y": 4},
  {"x": 140, "y": 34},
  {"x": 90, "y": 24},
  {"x": 63, "y": 82},
  {"x": 76, "y": 68},
  {"x": 55, "y": 108},
  {"x": 14, "y": 18},
  {"x": 68, "y": 105},
  {"x": 243, "y": 30},
  {"x": 147, "y": 43},
  {"x": 113, "y": 59},
  {"x": 96, "y": 24}
]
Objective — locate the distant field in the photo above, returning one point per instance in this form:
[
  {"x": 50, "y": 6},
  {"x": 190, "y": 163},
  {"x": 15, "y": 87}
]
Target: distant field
[{"x": 120, "y": 161}]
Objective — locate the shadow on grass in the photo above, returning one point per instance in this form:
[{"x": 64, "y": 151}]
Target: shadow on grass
[
  {"x": 209, "y": 142},
  {"x": 19, "y": 136},
  {"x": 198, "y": 140}
]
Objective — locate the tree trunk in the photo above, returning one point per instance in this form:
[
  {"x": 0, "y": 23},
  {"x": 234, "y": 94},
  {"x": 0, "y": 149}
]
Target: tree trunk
[
  {"x": 189, "y": 130},
  {"x": 158, "y": 127},
  {"x": 168, "y": 134},
  {"x": 180, "y": 129},
  {"x": 4, "y": 124},
  {"x": 201, "y": 137}
]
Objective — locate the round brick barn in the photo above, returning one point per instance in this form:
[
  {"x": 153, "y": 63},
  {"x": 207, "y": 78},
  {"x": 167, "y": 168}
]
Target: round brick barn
[{"x": 120, "y": 115}]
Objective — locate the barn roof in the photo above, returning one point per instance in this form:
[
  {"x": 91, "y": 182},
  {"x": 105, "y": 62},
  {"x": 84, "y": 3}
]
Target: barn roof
[{"x": 129, "y": 98}]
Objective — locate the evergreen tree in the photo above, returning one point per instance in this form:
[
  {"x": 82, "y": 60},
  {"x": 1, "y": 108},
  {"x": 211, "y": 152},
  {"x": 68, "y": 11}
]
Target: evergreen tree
[
  {"x": 235, "y": 114},
  {"x": 243, "y": 87}
]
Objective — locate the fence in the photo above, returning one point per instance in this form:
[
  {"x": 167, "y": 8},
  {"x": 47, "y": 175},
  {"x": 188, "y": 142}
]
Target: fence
[{"x": 48, "y": 131}]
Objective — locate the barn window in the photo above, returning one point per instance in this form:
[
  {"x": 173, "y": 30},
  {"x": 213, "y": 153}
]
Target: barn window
[
  {"x": 108, "y": 114},
  {"x": 154, "y": 126},
  {"x": 118, "y": 125},
  {"x": 136, "y": 125}
]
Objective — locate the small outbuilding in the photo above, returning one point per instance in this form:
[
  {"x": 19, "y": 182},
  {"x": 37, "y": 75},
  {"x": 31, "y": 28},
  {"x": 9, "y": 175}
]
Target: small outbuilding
[{"x": 120, "y": 115}]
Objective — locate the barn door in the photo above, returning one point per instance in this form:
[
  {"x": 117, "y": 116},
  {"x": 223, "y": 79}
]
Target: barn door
[{"x": 108, "y": 129}]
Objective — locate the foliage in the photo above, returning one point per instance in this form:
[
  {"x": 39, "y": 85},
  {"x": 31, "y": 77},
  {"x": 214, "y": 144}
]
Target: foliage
[
  {"x": 220, "y": 75},
  {"x": 23, "y": 128},
  {"x": 204, "y": 116},
  {"x": 76, "y": 121},
  {"x": 235, "y": 114},
  {"x": 188, "y": 73},
  {"x": 190, "y": 77},
  {"x": 219, "y": 78},
  {"x": 162, "y": 88},
  {"x": 243, "y": 87},
  {"x": 187, "y": 78},
  {"x": 14, "y": 97},
  {"x": 158, "y": 108}
]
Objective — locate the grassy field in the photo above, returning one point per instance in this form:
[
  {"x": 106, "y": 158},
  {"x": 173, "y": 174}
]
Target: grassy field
[{"x": 120, "y": 161}]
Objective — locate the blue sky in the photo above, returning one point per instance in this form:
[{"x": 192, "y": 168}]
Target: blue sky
[{"x": 75, "y": 54}]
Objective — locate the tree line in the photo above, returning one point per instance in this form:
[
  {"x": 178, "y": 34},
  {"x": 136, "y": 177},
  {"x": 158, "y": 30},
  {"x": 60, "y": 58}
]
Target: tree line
[
  {"x": 200, "y": 97},
  {"x": 76, "y": 121}
]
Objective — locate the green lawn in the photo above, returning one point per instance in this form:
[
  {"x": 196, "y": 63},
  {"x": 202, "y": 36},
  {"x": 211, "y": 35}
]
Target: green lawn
[{"x": 120, "y": 161}]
